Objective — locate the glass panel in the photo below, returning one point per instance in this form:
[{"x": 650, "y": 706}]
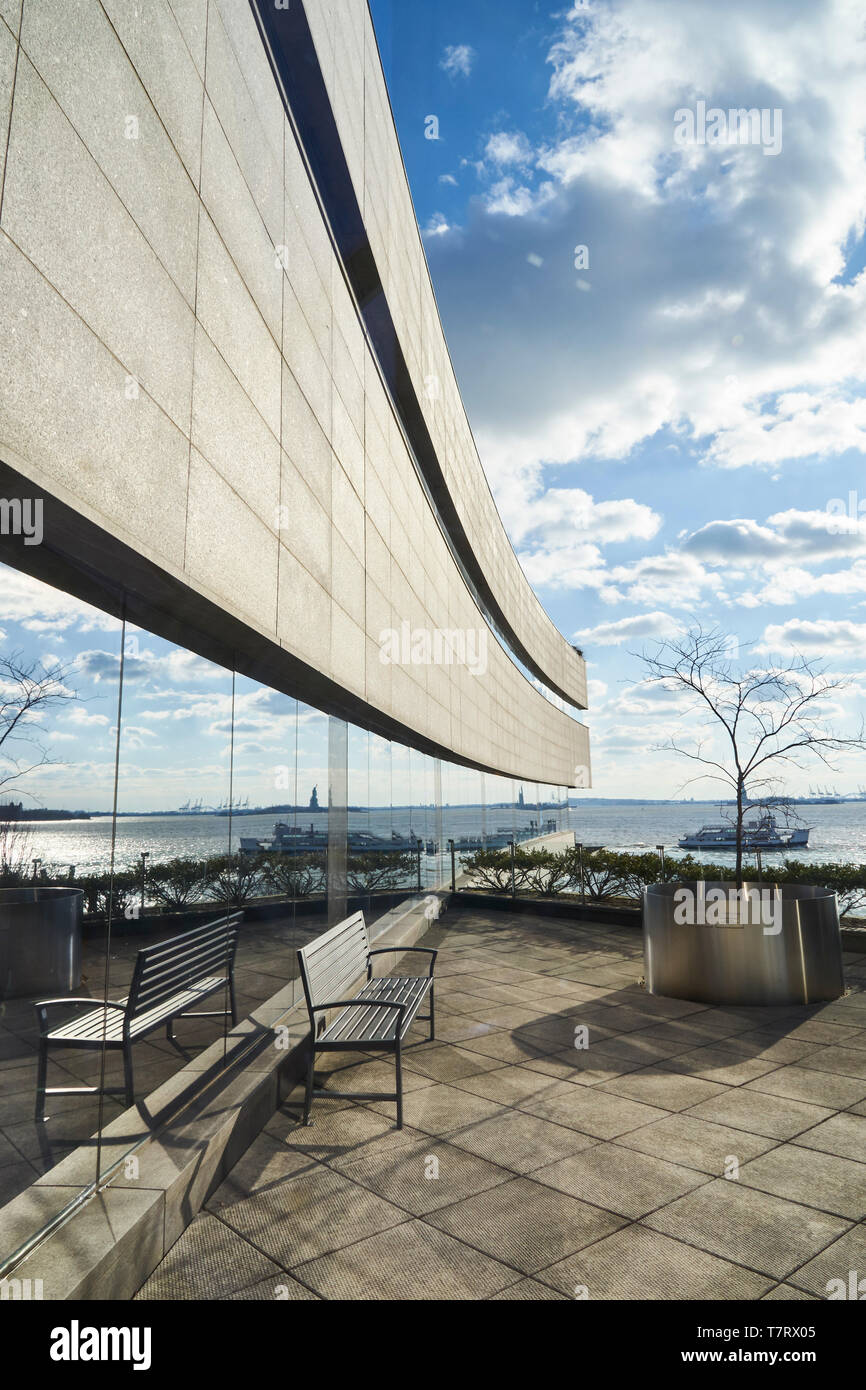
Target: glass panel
[
  {"x": 264, "y": 781},
  {"x": 59, "y": 667},
  {"x": 174, "y": 866},
  {"x": 338, "y": 817}
]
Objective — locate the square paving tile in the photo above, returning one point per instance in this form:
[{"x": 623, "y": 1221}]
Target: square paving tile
[
  {"x": 525, "y": 1223},
  {"x": 846, "y": 1061},
  {"x": 507, "y": 1015},
  {"x": 591, "y": 1110},
  {"x": 637, "y": 1047},
  {"x": 460, "y": 1028},
  {"x": 769, "y": 1046},
  {"x": 265, "y": 1163},
  {"x": 503, "y": 1047},
  {"x": 695, "y": 1143},
  {"x": 750, "y": 1228},
  {"x": 508, "y": 1085},
  {"x": 409, "y": 1262},
  {"x": 460, "y": 1003},
  {"x": 718, "y": 1064},
  {"x": 519, "y": 1141},
  {"x": 209, "y": 1261},
  {"x": 447, "y": 1062},
  {"x": 309, "y": 1213},
  {"x": 815, "y": 1087},
  {"x": 422, "y": 1173},
  {"x": 822, "y": 1180},
  {"x": 837, "y": 1262},
  {"x": 333, "y": 1132},
  {"x": 439, "y": 1108},
  {"x": 638, "y": 1263},
  {"x": 666, "y": 1089},
  {"x": 844, "y": 1134},
  {"x": 761, "y": 1113},
  {"x": 620, "y": 1180}
]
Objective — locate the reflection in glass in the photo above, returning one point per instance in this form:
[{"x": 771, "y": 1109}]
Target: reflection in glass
[{"x": 60, "y": 663}]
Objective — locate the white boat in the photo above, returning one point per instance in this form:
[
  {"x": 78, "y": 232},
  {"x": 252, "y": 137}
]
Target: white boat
[{"x": 761, "y": 833}]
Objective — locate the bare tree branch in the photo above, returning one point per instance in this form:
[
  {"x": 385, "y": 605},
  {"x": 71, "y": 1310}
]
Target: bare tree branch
[
  {"x": 28, "y": 689},
  {"x": 767, "y": 715}
]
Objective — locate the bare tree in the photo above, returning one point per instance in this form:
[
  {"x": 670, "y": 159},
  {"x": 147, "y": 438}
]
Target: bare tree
[
  {"x": 771, "y": 717},
  {"x": 28, "y": 689}
]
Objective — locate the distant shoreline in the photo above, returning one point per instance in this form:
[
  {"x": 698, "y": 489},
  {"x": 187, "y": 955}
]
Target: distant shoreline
[{"x": 41, "y": 817}]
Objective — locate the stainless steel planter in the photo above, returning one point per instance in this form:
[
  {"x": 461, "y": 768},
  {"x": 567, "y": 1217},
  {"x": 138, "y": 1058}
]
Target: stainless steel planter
[
  {"x": 40, "y": 941},
  {"x": 743, "y": 964}
]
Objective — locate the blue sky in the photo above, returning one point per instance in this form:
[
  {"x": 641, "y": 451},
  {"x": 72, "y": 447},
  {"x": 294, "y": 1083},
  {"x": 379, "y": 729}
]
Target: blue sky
[{"x": 666, "y": 427}]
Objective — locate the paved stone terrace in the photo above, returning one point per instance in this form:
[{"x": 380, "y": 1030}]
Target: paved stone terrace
[{"x": 558, "y": 1169}]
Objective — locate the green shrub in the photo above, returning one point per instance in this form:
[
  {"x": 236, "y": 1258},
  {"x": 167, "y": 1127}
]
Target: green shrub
[
  {"x": 177, "y": 883},
  {"x": 98, "y": 891},
  {"x": 292, "y": 876},
  {"x": 232, "y": 879},
  {"x": 367, "y": 872}
]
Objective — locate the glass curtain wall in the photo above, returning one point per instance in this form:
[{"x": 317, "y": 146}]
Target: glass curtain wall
[{"x": 155, "y": 794}]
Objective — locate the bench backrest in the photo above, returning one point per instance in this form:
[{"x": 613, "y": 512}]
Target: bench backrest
[
  {"x": 162, "y": 971},
  {"x": 332, "y": 963}
]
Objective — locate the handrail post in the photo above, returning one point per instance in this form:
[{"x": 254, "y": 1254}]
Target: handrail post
[
  {"x": 579, "y": 848},
  {"x": 453, "y": 872},
  {"x": 513, "y": 889}
]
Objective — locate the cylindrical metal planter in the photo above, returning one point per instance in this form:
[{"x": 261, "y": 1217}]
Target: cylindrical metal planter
[
  {"x": 40, "y": 941},
  {"x": 784, "y": 948}
]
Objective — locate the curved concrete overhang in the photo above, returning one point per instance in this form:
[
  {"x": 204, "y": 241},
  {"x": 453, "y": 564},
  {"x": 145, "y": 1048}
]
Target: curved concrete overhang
[
  {"x": 224, "y": 447},
  {"x": 464, "y": 503}
]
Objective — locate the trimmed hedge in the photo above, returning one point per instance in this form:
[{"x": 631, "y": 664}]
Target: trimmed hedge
[
  {"x": 229, "y": 879},
  {"x": 615, "y": 874}
]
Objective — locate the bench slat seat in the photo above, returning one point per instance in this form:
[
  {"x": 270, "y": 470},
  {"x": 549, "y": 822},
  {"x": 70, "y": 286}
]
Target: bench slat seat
[
  {"x": 168, "y": 980},
  {"x": 374, "y": 1018},
  {"x": 91, "y": 1026},
  {"x": 364, "y": 1022}
]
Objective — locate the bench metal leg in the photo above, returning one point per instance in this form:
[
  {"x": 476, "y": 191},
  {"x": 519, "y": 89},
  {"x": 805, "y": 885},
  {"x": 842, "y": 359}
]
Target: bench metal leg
[
  {"x": 169, "y": 1030},
  {"x": 308, "y": 1097},
  {"x": 432, "y": 1014},
  {"x": 399, "y": 1062},
  {"x": 127, "y": 1074},
  {"x": 41, "y": 1079}
]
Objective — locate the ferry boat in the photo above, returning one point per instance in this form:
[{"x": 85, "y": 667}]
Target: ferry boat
[
  {"x": 298, "y": 839},
  {"x": 499, "y": 838},
  {"x": 761, "y": 833}
]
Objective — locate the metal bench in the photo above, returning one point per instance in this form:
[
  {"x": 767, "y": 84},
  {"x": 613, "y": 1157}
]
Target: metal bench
[
  {"x": 167, "y": 981},
  {"x": 376, "y": 1019}
]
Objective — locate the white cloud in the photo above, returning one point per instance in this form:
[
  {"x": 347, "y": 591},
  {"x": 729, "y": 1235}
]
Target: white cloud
[
  {"x": 716, "y": 310},
  {"x": 627, "y": 629},
  {"x": 840, "y": 638},
  {"x": 438, "y": 225},
  {"x": 39, "y": 608},
  {"x": 799, "y": 425},
  {"x": 507, "y": 198},
  {"x": 458, "y": 60},
  {"x": 83, "y": 720},
  {"x": 508, "y": 147}
]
